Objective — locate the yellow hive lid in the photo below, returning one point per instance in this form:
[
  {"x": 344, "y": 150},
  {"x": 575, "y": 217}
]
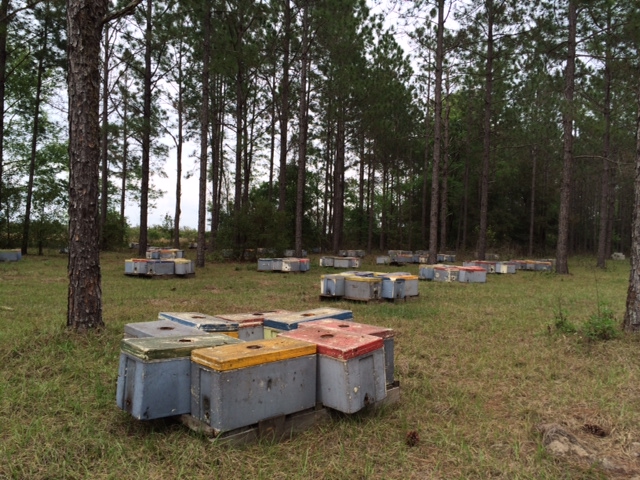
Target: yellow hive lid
[
  {"x": 252, "y": 353},
  {"x": 404, "y": 277},
  {"x": 180, "y": 260}
]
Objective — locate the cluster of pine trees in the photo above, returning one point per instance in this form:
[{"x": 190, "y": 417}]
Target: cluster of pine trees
[{"x": 507, "y": 125}]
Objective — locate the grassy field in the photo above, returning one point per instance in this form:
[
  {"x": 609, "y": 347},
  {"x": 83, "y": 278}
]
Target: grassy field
[{"x": 481, "y": 366}]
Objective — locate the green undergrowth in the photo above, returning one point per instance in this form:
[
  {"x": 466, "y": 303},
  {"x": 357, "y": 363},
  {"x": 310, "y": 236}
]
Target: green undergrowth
[{"x": 476, "y": 377}]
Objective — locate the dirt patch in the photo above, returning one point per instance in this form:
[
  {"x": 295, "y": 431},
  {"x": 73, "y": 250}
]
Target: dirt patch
[{"x": 591, "y": 440}]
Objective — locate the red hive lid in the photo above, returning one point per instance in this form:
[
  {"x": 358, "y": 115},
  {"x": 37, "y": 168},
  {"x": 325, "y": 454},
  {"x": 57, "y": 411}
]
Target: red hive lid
[{"x": 343, "y": 346}]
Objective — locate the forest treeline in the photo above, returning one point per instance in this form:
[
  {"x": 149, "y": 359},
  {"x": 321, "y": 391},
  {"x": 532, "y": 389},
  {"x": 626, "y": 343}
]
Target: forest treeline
[{"x": 502, "y": 124}]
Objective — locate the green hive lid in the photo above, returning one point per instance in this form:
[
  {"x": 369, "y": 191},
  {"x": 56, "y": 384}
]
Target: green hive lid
[{"x": 156, "y": 348}]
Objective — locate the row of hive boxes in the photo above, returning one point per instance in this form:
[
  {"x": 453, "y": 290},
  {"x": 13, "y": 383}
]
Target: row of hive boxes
[
  {"x": 512, "y": 265},
  {"x": 369, "y": 285},
  {"x": 400, "y": 257},
  {"x": 144, "y": 266},
  {"x": 155, "y": 253},
  {"x": 283, "y": 264},
  {"x": 340, "y": 262},
  {"x": 447, "y": 273},
  {"x": 228, "y": 383}
]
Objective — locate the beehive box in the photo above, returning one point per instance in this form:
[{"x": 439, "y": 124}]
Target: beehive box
[
  {"x": 136, "y": 266},
  {"x": 383, "y": 260},
  {"x": 332, "y": 285},
  {"x": 265, "y": 264},
  {"x": 160, "y": 267},
  {"x": 290, "y": 321},
  {"x": 182, "y": 266},
  {"x": 154, "y": 374},
  {"x": 445, "y": 274},
  {"x": 362, "y": 288},
  {"x": 392, "y": 288},
  {"x": 202, "y": 321},
  {"x": 276, "y": 264},
  {"x": 354, "y": 262},
  {"x": 250, "y": 324},
  {"x": 411, "y": 287},
  {"x": 402, "y": 258},
  {"x": 446, "y": 258},
  {"x": 290, "y": 265},
  {"x": 506, "y": 267},
  {"x": 472, "y": 275},
  {"x": 355, "y": 328},
  {"x": 427, "y": 272},
  {"x": 159, "y": 328},
  {"x": 153, "y": 254},
  {"x": 241, "y": 385},
  {"x": 326, "y": 261},
  {"x": 10, "y": 255},
  {"x": 542, "y": 266},
  {"x": 342, "y": 262},
  {"x": 305, "y": 265},
  {"x": 351, "y": 368}
]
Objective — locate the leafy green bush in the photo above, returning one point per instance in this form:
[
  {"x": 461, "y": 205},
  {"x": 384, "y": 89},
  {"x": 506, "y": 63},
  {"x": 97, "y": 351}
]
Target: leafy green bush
[{"x": 602, "y": 325}]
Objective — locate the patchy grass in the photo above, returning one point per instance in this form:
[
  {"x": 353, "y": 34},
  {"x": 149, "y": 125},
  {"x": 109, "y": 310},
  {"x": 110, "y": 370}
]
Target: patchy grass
[{"x": 480, "y": 367}]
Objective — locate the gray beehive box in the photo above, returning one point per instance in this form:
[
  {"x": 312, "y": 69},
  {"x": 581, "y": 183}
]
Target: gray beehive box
[
  {"x": 201, "y": 321},
  {"x": 154, "y": 374},
  {"x": 332, "y": 285},
  {"x": 265, "y": 264},
  {"x": 362, "y": 288},
  {"x": 355, "y": 328},
  {"x": 351, "y": 368},
  {"x": 241, "y": 385}
]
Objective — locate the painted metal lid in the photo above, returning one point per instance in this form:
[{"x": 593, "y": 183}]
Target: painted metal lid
[
  {"x": 156, "y": 348},
  {"x": 343, "y": 346},
  {"x": 201, "y": 321},
  {"x": 291, "y": 321},
  {"x": 253, "y": 317},
  {"x": 248, "y": 354},
  {"x": 350, "y": 327}
]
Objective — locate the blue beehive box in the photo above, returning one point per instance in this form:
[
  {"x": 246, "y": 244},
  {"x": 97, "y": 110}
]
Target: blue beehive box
[
  {"x": 392, "y": 288},
  {"x": 265, "y": 264},
  {"x": 154, "y": 374},
  {"x": 201, "y": 321}
]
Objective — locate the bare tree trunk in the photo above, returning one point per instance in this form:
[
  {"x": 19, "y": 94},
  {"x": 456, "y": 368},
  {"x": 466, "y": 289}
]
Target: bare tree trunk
[
  {"x": 180, "y": 140},
  {"x": 302, "y": 137},
  {"x": 146, "y": 135},
  {"x": 486, "y": 152},
  {"x": 338, "y": 182},
  {"x": 437, "y": 126},
  {"x": 631, "y": 322},
  {"x": 85, "y": 291},
  {"x": 444, "y": 194},
  {"x": 125, "y": 156},
  {"x": 562, "y": 266},
  {"x": 606, "y": 176},
  {"x": 4, "y": 25},
  {"x": 284, "y": 109},
  {"x": 104, "y": 138},
  {"x": 34, "y": 141},
  {"x": 425, "y": 179},
  {"x": 532, "y": 210},
  {"x": 370, "y": 195},
  {"x": 204, "y": 137}
]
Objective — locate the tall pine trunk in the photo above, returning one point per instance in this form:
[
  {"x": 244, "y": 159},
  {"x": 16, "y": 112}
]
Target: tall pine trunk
[
  {"x": 437, "y": 138},
  {"x": 34, "y": 141},
  {"x": 302, "y": 137},
  {"x": 146, "y": 134},
  {"x": 84, "y": 28},
  {"x": 204, "y": 127},
  {"x": 486, "y": 150},
  {"x": 562, "y": 250},
  {"x": 104, "y": 138},
  {"x": 631, "y": 322},
  {"x": 284, "y": 108}
]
